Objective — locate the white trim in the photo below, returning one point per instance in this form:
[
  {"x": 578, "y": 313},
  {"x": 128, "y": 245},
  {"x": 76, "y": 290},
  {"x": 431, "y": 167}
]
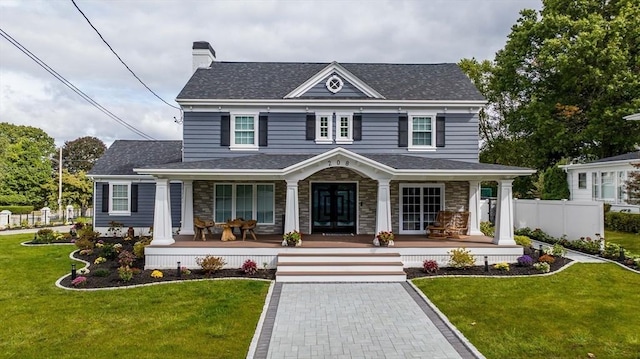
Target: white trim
[
  {"x": 254, "y": 200},
  {"x": 232, "y": 132},
  {"x": 224, "y": 105},
  {"x": 330, "y": 81},
  {"x": 113, "y": 212},
  {"x": 329, "y": 138},
  {"x": 310, "y": 227},
  {"x": 411, "y": 146},
  {"x": 349, "y": 138},
  {"x": 336, "y": 68},
  {"x": 634, "y": 117},
  {"x": 401, "y": 186}
]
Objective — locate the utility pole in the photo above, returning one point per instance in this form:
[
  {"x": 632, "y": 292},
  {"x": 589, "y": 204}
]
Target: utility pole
[{"x": 60, "y": 185}]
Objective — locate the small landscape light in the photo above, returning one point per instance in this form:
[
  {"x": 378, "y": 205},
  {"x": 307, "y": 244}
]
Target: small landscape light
[
  {"x": 622, "y": 256},
  {"x": 179, "y": 270},
  {"x": 486, "y": 263},
  {"x": 540, "y": 250},
  {"x": 73, "y": 271}
]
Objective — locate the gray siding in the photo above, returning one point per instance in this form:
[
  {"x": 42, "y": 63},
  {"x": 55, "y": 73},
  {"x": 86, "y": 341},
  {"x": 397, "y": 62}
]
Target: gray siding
[
  {"x": 320, "y": 91},
  {"x": 146, "y": 202},
  {"x": 287, "y": 135}
]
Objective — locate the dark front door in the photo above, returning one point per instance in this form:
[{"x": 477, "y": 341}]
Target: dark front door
[{"x": 333, "y": 207}]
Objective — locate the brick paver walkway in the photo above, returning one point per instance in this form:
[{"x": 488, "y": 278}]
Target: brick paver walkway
[{"x": 353, "y": 320}]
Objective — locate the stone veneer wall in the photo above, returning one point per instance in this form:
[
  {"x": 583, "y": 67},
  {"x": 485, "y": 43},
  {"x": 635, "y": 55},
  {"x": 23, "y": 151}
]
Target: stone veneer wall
[
  {"x": 456, "y": 198},
  {"x": 367, "y": 197},
  {"x": 203, "y": 203}
]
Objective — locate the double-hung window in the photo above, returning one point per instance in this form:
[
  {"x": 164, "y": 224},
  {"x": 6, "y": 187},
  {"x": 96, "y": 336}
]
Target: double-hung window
[
  {"x": 244, "y": 200},
  {"x": 582, "y": 180},
  {"x": 595, "y": 188},
  {"x": 344, "y": 128},
  {"x": 244, "y": 133},
  {"x": 607, "y": 189},
  {"x": 422, "y": 134},
  {"x": 120, "y": 198},
  {"x": 324, "y": 127},
  {"x": 621, "y": 187}
]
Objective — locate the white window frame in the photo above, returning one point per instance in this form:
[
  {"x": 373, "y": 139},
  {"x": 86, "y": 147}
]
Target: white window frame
[
  {"x": 612, "y": 185},
  {"x": 254, "y": 204},
  {"x": 329, "y": 138},
  {"x": 349, "y": 138},
  {"x": 232, "y": 130},
  {"x": 595, "y": 186},
  {"x": 113, "y": 212},
  {"x": 621, "y": 188},
  {"x": 585, "y": 180},
  {"x": 400, "y": 203},
  {"x": 411, "y": 146}
]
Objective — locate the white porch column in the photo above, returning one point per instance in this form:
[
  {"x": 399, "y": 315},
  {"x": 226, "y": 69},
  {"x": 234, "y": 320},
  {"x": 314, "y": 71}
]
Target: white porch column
[
  {"x": 292, "y": 211},
  {"x": 383, "y": 212},
  {"x": 186, "y": 227},
  {"x": 474, "y": 208},
  {"x": 162, "y": 214},
  {"x": 504, "y": 214}
]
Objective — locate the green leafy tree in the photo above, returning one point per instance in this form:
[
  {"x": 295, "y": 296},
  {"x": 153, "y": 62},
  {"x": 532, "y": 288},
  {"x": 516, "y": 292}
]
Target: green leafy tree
[
  {"x": 632, "y": 185},
  {"x": 81, "y": 154},
  {"x": 26, "y": 165},
  {"x": 77, "y": 190},
  {"x": 554, "y": 184},
  {"x": 571, "y": 72}
]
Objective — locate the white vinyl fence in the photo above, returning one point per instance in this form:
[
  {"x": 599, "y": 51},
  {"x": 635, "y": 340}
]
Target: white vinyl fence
[{"x": 571, "y": 218}]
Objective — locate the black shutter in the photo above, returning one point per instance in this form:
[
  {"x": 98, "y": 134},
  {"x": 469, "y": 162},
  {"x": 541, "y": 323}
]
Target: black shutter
[
  {"x": 105, "y": 197},
  {"x": 225, "y": 132},
  {"x": 263, "y": 124},
  {"x": 357, "y": 127},
  {"x": 311, "y": 126},
  {"x": 403, "y": 131},
  {"x": 134, "y": 198},
  {"x": 440, "y": 131}
]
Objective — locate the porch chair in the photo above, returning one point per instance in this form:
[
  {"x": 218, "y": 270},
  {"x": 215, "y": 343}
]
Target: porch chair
[
  {"x": 440, "y": 227},
  {"x": 460, "y": 225},
  {"x": 200, "y": 226},
  {"x": 249, "y": 226}
]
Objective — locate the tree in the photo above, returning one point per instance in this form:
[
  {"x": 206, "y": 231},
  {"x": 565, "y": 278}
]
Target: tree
[
  {"x": 554, "y": 184},
  {"x": 77, "y": 190},
  {"x": 26, "y": 168},
  {"x": 571, "y": 73},
  {"x": 81, "y": 154},
  {"x": 632, "y": 185}
]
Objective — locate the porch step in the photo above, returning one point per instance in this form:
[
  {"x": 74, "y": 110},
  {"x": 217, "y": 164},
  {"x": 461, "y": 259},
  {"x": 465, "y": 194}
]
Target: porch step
[{"x": 340, "y": 267}]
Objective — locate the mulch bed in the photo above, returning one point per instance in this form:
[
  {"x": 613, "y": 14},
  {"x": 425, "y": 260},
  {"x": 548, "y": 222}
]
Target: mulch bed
[{"x": 514, "y": 269}]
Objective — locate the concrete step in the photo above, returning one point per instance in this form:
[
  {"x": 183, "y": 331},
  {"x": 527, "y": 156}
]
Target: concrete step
[{"x": 340, "y": 267}]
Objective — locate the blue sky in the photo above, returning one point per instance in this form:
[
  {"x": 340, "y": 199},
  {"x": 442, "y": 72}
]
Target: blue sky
[{"x": 154, "y": 38}]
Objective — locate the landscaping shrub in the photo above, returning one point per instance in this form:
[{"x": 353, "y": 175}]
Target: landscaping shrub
[
  {"x": 611, "y": 250},
  {"x": 84, "y": 243},
  {"x": 622, "y": 221},
  {"x": 522, "y": 241},
  {"x": 249, "y": 267},
  {"x": 525, "y": 260},
  {"x": 17, "y": 209},
  {"x": 558, "y": 250},
  {"x": 102, "y": 272},
  {"x": 487, "y": 229},
  {"x": 47, "y": 236},
  {"x": 210, "y": 264},
  {"x": 502, "y": 266},
  {"x": 545, "y": 258},
  {"x": 138, "y": 247},
  {"x": 543, "y": 267},
  {"x": 461, "y": 258},
  {"x": 126, "y": 258},
  {"x": 125, "y": 273},
  {"x": 587, "y": 245},
  {"x": 88, "y": 233},
  {"x": 108, "y": 251},
  {"x": 430, "y": 266}
]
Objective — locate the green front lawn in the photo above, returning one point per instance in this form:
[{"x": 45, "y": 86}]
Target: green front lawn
[
  {"x": 630, "y": 241},
  {"x": 209, "y": 319},
  {"x": 588, "y": 308}
]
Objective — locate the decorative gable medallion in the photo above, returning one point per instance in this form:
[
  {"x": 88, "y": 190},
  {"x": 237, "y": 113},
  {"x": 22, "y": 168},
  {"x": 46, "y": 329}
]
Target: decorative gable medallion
[
  {"x": 334, "y": 84},
  {"x": 334, "y": 78}
]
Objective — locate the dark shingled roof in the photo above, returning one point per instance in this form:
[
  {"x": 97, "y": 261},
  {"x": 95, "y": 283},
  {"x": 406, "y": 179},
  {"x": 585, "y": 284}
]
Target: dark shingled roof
[
  {"x": 626, "y": 156},
  {"x": 125, "y": 155},
  {"x": 274, "y": 80},
  {"x": 281, "y": 161}
]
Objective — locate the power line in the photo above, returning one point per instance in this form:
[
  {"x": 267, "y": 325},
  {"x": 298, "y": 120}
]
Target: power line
[
  {"x": 114, "y": 52},
  {"x": 67, "y": 83}
]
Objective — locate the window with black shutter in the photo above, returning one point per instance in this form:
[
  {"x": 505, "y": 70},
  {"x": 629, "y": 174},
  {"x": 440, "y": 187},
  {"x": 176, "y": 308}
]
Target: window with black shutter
[
  {"x": 225, "y": 130},
  {"x": 311, "y": 127},
  {"x": 440, "y": 131},
  {"x": 403, "y": 131}
]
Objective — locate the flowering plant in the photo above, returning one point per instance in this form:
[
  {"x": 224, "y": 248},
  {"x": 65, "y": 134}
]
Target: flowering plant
[
  {"x": 100, "y": 260},
  {"x": 79, "y": 281},
  {"x": 83, "y": 271},
  {"x": 293, "y": 238},
  {"x": 430, "y": 266},
  {"x": 503, "y": 266},
  {"x": 385, "y": 237},
  {"x": 156, "y": 274},
  {"x": 249, "y": 267},
  {"x": 525, "y": 260},
  {"x": 542, "y": 267},
  {"x": 185, "y": 271},
  {"x": 125, "y": 273}
]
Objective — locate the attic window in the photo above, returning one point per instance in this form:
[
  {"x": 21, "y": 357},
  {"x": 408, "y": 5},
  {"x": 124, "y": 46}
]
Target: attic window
[{"x": 334, "y": 84}]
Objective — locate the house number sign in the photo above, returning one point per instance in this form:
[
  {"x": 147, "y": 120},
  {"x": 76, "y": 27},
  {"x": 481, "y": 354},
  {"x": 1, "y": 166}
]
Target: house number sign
[{"x": 338, "y": 163}]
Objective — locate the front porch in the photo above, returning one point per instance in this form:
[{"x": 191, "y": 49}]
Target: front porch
[{"x": 413, "y": 249}]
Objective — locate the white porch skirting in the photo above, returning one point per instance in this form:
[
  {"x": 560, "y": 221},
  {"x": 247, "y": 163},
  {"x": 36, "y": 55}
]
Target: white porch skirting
[{"x": 167, "y": 257}]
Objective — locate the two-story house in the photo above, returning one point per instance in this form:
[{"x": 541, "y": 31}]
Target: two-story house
[{"x": 347, "y": 148}]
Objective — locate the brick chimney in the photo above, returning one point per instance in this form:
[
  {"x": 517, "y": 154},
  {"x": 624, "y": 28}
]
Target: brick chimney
[{"x": 203, "y": 55}]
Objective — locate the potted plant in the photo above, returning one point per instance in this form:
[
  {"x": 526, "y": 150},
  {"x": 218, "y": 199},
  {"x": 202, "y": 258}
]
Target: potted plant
[
  {"x": 385, "y": 238},
  {"x": 292, "y": 239}
]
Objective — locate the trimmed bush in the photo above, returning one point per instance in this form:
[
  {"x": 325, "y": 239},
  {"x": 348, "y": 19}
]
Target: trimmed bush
[
  {"x": 211, "y": 264},
  {"x": 622, "y": 222},
  {"x": 522, "y": 241},
  {"x": 461, "y": 258},
  {"x": 17, "y": 209}
]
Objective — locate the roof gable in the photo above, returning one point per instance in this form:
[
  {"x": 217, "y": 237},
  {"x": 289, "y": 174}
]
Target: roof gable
[
  {"x": 124, "y": 155},
  {"x": 334, "y": 72}
]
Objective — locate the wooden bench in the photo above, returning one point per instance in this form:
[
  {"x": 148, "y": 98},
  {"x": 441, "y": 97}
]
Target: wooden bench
[{"x": 449, "y": 224}]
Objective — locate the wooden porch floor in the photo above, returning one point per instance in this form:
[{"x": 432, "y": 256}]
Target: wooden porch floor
[{"x": 332, "y": 241}]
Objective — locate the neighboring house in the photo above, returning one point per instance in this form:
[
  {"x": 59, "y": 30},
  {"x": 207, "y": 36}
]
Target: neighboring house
[
  {"x": 353, "y": 148},
  {"x": 604, "y": 180}
]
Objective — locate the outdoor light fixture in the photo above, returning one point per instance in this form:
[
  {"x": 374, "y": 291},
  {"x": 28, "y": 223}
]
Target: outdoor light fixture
[
  {"x": 486, "y": 263},
  {"x": 179, "y": 270},
  {"x": 73, "y": 271},
  {"x": 540, "y": 251},
  {"x": 622, "y": 257}
]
